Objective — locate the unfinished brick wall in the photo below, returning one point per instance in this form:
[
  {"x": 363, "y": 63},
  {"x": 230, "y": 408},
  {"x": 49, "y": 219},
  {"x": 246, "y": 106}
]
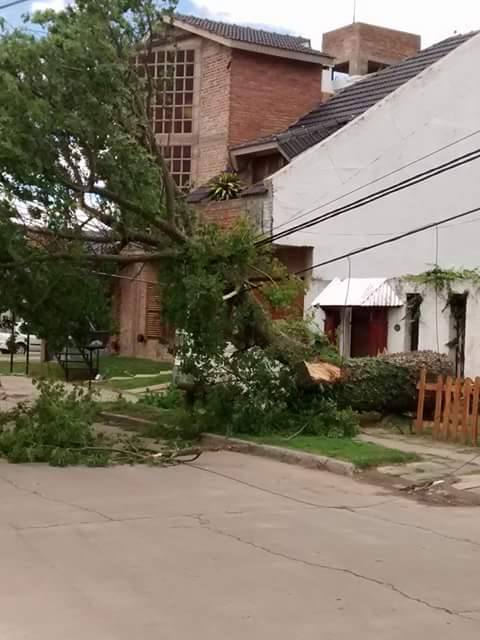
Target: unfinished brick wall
[
  {"x": 360, "y": 43},
  {"x": 214, "y": 111},
  {"x": 269, "y": 93}
]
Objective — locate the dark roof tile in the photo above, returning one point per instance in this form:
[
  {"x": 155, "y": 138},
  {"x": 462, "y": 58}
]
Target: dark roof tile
[
  {"x": 250, "y": 35},
  {"x": 357, "y": 98}
]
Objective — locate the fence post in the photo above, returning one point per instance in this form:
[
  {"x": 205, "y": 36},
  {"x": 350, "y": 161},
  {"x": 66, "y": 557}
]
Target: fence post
[
  {"x": 476, "y": 398},
  {"x": 467, "y": 391},
  {"x": 421, "y": 401},
  {"x": 456, "y": 407},
  {"x": 447, "y": 407},
  {"x": 438, "y": 407}
]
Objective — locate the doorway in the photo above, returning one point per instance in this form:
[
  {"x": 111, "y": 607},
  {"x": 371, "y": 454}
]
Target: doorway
[{"x": 369, "y": 331}]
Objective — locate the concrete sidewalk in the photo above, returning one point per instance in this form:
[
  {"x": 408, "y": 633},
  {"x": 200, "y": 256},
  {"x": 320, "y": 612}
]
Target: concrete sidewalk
[
  {"x": 21, "y": 389},
  {"x": 440, "y": 460}
]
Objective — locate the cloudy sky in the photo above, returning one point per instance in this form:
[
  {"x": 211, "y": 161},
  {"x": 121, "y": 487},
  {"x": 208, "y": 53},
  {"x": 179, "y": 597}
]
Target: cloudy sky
[{"x": 433, "y": 19}]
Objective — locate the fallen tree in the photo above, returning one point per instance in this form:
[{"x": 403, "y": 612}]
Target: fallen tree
[{"x": 83, "y": 181}]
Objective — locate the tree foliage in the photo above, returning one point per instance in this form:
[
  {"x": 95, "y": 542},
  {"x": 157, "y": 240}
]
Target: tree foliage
[{"x": 84, "y": 188}]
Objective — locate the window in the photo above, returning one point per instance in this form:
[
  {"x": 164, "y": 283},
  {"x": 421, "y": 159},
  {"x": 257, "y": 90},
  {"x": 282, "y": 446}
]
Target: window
[
  {"x": 179, "y": 160},
  {"x": 264, "y": 166},
  {"x": 373, "y": 66},
  {"x": 173, "y": 73}
]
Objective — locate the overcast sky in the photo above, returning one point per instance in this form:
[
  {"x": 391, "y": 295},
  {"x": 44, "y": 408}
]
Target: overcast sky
[{"x": 432, "y": 19}]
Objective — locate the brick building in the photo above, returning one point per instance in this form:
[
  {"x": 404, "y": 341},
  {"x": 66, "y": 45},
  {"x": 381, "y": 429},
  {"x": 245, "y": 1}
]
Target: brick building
[
  {"x": 248, "y": 99},
  {"x": 218, "y": 85},
  {"x": 223, "y": 84}
]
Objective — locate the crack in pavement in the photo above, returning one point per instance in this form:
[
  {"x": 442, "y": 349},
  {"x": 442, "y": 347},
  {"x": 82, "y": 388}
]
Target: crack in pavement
[
  {"x": 398, "y": 523},
  {"x": 272, "y": 492},
  {"x": 343, "y": 570},
  {"x": 355, "y": 510},
  {"x": 38, "y": 494}
]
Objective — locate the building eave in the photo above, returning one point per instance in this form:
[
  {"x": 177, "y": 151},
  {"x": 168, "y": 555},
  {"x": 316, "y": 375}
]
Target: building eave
[
  {"x": 300, "y": 56},
  {"x": 255, "y": 149}
]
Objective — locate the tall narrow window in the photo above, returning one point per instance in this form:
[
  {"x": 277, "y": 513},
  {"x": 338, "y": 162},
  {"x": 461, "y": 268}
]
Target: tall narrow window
[
  {"x": 179, "y": 161},
  {"x": 414, "y": 304},
  {"x": 458, "y": 310},
  {"x": 173, "y": 73}
]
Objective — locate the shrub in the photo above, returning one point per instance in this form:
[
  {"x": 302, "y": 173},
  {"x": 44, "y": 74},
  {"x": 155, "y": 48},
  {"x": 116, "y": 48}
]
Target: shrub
[
  {"x": 172, "y": 398},
  {"x": 324, "y": 418},
  {"x": 388, "y": 383}
]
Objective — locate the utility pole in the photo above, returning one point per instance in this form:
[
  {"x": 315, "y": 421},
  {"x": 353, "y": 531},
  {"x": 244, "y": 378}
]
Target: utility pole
[{"x": 354, "y": 11}]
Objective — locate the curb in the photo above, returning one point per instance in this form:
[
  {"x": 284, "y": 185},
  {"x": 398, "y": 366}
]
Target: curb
[
  {"x": 119, "y": 420},
  {"x": 214, "y": 442}
]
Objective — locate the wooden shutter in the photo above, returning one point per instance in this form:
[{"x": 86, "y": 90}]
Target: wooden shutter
[{"x": 154, "y": 329}]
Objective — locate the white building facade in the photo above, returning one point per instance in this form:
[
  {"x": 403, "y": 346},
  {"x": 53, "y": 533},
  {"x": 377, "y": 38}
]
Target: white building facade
[{"x": 428, "y": 121}]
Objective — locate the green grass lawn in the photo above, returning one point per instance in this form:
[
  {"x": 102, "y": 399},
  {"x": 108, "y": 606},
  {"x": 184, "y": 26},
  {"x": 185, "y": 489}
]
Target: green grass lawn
[
  {"x": 50, "y": 370},
  {"x": 110, "y": 366},
  {"x": 364, "y": 455}
]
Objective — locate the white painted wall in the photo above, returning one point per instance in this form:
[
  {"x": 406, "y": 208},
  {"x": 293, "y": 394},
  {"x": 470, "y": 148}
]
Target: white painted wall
[{"x": 435, "y": 109}]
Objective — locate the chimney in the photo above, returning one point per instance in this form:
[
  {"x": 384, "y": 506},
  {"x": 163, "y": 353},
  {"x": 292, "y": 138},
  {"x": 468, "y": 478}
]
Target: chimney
[{"x": 362, "y": 48}]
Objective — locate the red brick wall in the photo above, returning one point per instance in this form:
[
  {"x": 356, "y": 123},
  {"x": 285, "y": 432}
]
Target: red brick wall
[
  {"x": 225, "y": 214},
  {"x": 214, "y": 111},
  {"x": 268, "y": 94},
  {"x": 360, "y": 42}
]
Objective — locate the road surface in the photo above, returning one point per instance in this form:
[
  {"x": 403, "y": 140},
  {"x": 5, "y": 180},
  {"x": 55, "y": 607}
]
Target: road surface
[{"x": 233, "y": 547}]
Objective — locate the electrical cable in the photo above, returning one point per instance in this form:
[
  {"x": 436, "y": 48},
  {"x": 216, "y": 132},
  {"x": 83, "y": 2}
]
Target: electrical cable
[
  {"x": 12, "y": 4},
  {"x": 400, "y": 186},
  {"x": 382, "y": 243},
  {"x": 376, "y": 245},
  {"x": 317, "y": 207}
]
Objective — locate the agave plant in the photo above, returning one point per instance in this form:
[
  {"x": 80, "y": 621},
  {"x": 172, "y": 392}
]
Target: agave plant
[{"x": 226, "y": 186}]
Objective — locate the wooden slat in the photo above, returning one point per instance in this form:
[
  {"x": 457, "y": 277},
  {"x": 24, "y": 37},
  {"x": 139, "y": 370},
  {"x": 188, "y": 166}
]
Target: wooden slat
[
  {"x": 456, "y": 408},
  {"x": 467, "y": 390},
  {"x": 421, "y": 402},
  {"x": 475, "y": 404},
  {"x": 447, "y": 407},
  {"x": 438, "y": 407},
  {"x": 429, "y": 386}
]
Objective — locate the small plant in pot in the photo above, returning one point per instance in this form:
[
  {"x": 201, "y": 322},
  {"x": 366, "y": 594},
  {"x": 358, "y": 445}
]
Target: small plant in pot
[{"x": 226, "y": 186}]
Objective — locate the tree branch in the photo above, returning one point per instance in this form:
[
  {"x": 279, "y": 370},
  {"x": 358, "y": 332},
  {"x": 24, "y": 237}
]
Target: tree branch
[
  {"x": 121, "y": 259},
  {"x": 165, "y": 227}
]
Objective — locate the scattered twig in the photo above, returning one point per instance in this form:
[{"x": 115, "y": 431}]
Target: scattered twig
[{"x": 297, "y": 433}]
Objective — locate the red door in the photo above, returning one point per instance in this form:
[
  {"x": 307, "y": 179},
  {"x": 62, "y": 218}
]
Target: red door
[{"x": 369, "y": 331}]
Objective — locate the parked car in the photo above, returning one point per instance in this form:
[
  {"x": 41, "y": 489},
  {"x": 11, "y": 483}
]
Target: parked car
[{"x": 21, "y": 340}]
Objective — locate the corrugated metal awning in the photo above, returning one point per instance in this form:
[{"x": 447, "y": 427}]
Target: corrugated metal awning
[{"x": 359, "y": 292}]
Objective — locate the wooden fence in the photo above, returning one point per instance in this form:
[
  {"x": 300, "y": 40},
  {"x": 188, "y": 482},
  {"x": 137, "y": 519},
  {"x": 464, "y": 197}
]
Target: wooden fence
[{"x": 456, "y": 408}]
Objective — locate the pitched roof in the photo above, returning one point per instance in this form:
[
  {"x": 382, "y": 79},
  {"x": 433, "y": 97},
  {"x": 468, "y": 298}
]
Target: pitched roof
[
  {"x": 251, "y": 36},
  {"x": 354, "y": 100}
]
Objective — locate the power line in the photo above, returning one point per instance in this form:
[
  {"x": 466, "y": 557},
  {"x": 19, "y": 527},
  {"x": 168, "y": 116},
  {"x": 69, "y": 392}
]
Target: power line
[
  {"x": 317, "y": 207},
  {"x": 382, "y": 243},
  {"x": 12, "y": 4},
  {"x": 400, "y": 186}
]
